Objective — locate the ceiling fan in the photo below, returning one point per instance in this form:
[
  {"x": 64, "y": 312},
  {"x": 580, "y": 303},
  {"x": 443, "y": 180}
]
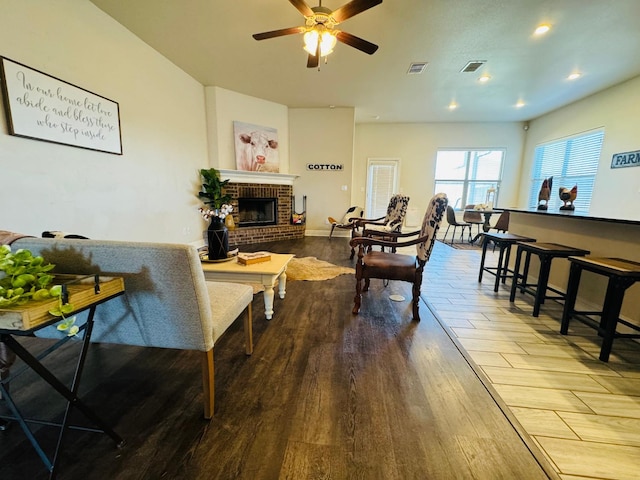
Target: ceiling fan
[{"x": 320, "y": 34}]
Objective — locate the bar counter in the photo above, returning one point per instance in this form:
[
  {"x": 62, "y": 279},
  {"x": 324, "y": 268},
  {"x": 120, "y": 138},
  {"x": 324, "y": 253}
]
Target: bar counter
[{"x": 603, "y": 237}]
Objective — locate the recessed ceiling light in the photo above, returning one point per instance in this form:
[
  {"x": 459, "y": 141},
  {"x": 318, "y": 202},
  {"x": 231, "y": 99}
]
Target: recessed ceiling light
[
  {"x": 574, "y": 76},
  {"x": 520, "y": 104},
  {"x": 484, "y": 78},
  {"x": 453, "y": 106},
  {"x": 542, "y": 29}
]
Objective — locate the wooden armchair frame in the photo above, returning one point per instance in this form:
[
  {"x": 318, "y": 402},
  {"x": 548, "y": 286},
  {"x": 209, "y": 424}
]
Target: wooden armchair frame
[{"x": 392, "y": 266}]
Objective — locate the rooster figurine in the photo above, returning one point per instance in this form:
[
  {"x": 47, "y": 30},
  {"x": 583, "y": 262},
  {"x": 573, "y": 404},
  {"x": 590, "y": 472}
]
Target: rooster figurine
[
  {"x": 545, "y": 193},
  {"x": 568, "y": 197}
]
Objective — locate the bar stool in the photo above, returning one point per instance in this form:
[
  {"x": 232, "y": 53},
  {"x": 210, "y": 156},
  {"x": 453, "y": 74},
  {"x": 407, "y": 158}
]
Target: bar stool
[
  {"x": 622, "y": 274},
  {"x": 503, "y": 241},
  {"x": 546, "y": 252}
]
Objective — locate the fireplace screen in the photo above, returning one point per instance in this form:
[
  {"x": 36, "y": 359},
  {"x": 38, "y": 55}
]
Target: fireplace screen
[{"x": 255, "y": 212}]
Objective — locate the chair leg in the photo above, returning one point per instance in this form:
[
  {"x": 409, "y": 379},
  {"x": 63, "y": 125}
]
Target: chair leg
[
  {"x": 358, "y": 297},
  {"x": 208, "y": 389},
  {"x": 543, "y": 280},
  {"x": 333, "y": 226},
  {"x": 485, "y": 242},
  {"x": 575, "y": 272},
  {"x": 416, "y": 297},
  {"x": 516, "y": 276},
  {"x": 611, "y": 312},
  {"x": 499, "y": 269},
  {"x": 444, "y": 239}
]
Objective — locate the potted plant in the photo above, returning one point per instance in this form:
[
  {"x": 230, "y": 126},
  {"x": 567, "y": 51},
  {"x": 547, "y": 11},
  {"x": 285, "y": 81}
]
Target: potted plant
[
  {"x": 212, "y": 188},
  {"x": 218, "y": 207}
]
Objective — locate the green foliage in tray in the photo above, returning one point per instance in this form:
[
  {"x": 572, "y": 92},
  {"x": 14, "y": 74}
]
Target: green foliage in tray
[{"x": 24, "y": 277}]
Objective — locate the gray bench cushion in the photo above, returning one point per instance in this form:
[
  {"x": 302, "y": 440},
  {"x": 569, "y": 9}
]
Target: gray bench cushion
[{"x": 167, "y": 302}]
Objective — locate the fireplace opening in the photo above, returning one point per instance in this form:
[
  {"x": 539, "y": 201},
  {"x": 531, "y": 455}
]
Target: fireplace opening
[{"x": 257, "y": 212}]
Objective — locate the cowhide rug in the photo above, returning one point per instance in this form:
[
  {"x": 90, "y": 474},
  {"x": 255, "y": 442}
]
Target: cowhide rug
[{"x": 311, "y": 269}]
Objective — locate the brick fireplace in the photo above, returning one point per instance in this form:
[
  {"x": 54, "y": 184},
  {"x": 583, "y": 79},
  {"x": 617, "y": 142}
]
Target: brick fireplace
[{"x": 240, "y": 187}]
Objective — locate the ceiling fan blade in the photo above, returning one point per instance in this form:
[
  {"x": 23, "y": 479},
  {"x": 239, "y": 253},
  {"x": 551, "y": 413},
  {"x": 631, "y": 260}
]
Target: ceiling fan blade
[
  {"x": 312, "y": 61},
  {"x": 302, "y": 7},
  {"x": 353, "y": 8},
  {"x": 357, "y": 42},
  {"x": 278, "y": 33}
]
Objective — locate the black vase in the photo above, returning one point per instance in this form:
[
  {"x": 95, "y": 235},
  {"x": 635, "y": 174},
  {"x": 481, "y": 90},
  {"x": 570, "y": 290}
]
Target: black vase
[{"x": 218, "y": 239}]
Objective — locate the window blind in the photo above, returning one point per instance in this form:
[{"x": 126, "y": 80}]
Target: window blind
[
  {"x": 571, "y": 161},
  {"x": 381, "y": 187}
]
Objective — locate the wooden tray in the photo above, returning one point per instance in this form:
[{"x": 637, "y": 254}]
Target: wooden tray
[{"x": 81, "y": 291}]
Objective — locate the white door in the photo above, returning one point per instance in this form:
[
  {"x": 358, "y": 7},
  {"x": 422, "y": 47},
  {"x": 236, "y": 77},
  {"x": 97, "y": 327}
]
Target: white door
[{"x": 382, "y": 184}]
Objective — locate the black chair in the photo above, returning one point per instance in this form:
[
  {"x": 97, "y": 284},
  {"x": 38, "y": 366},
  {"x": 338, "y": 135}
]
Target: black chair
[
  {"x": 502, "y": 225},
  {"x": 621, "y": 274},
  {"x": 453, "y": 222},
  {"x": 349, "y": 220},
  {"x": 504, "y": 241},
  {"x": 392, "y": 266},
  {"x": 380, "y": 227},
  {"x": 546, "y": 252},
  {"x": 473, "y": 217}
]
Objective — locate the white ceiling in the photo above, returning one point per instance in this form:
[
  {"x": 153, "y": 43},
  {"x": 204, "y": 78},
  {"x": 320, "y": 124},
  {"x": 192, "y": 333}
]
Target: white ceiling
[{"x": 211, "y": 40}]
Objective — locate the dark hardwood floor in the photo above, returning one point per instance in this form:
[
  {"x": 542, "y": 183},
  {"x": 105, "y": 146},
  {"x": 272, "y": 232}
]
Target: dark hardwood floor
[{"x": 326, "y": 395}]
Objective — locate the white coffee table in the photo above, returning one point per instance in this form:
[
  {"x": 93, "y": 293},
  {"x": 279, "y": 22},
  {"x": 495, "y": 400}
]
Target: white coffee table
[{"x": 265, "y": 273}]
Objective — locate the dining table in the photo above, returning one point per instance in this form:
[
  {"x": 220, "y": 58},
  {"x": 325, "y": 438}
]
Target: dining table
[{"x": 486, "y": 226}]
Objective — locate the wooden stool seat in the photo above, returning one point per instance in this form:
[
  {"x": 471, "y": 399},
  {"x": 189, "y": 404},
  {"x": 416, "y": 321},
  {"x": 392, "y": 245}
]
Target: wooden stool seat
[
  {"x": 622, "y": 274},
  {"x": 504, "y": 241},
  {"x": 546, "y": 252}
]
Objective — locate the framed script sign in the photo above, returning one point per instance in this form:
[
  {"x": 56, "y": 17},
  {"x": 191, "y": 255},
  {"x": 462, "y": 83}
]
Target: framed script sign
[{"x": 46, "y": 108}]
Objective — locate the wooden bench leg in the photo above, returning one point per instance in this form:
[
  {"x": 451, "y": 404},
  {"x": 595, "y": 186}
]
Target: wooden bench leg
[
  {"x": 248, "y": 331},
  {"x": 208, "y": 388}
]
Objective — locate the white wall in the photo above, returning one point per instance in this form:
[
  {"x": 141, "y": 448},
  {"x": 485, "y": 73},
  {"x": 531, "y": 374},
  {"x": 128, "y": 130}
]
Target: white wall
[
  {"x": 617, "y": 191},
  {"x": 416, "y": 146},
  {"x": 224, "y": 107},
  {"x": 148, "y": 193},
  {"x": 322, "y": 136}
]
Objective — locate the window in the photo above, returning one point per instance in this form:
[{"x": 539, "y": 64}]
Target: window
[
  {"x": 382, "y": 184},
  {"x": 570, "y": 161},
  {"x": 466, "y": 175}
]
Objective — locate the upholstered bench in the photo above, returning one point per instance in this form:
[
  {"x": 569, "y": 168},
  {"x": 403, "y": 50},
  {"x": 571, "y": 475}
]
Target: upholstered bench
[{"x": 167, "y": 302}]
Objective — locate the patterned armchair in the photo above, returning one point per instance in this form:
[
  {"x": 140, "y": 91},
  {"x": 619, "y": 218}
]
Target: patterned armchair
[
  {"x": 380, "y": 227},
  {"x": 349, "y": 220},
  {"x": 392, "y": 266}
]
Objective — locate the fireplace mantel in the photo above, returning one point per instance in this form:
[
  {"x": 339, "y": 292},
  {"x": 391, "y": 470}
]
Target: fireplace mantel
[{"x": 240, "y": 176}]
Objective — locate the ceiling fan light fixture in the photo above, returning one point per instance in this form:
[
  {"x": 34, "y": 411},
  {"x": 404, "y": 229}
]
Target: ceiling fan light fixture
[{"x": 326, "y": 38}]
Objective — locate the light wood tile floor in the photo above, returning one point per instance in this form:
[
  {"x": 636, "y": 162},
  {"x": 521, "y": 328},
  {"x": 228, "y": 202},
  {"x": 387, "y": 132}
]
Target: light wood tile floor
[{"x": 583, "y": 414}]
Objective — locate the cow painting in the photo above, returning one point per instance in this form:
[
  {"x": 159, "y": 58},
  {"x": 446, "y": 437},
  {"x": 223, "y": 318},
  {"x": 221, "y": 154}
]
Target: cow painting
[{"x": 256, "y": 148}]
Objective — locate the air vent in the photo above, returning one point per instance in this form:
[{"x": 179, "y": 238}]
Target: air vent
[
  {"x": 417, "y": 68},
  {"x": 472, "y": 66}
]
